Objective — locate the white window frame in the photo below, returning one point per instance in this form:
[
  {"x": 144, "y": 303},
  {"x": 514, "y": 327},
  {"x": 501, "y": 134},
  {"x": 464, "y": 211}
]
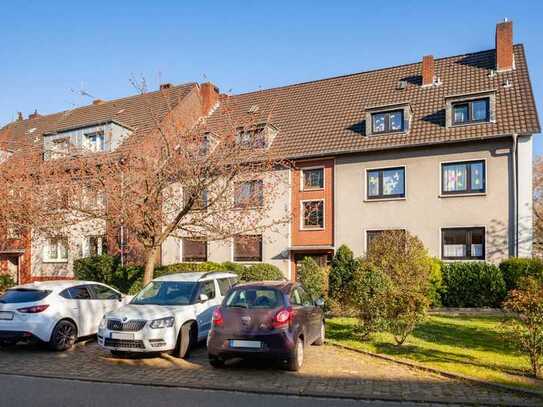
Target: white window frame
[
  {"x": 302, "y": 178},
  {"x": 92, "y": 146},
  {"x": 460, "y": 194},
  {"x": 85, "y": 242},
  {"x": 46, "y": 251},
  {"x": 378, "y": 168},
  {"x": 302, "y": 226},
  {"x": 485, "y": 254}
]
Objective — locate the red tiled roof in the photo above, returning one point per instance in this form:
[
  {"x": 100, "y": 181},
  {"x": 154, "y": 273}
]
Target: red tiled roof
[
  {"x": 327, "y": 116},
  {"x": 138, "y": 112}
]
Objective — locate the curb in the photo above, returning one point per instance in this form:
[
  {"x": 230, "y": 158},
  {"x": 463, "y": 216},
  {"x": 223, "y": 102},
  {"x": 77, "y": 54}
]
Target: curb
[
  {"x": 444, "y": 373},
  {"x": 257, "y": 391}
]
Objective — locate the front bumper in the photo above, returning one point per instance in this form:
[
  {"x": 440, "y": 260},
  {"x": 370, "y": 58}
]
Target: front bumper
[{"x": 144, "y": 340}]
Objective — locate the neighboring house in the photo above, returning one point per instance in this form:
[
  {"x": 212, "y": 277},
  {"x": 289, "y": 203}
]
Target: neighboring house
[
  {"x": 100, "y": 127},
  {"x": 441, "y": 148}
]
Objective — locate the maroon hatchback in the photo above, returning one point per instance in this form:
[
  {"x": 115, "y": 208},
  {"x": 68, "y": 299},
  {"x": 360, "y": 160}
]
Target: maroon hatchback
[{"x": 274, "y": 320}]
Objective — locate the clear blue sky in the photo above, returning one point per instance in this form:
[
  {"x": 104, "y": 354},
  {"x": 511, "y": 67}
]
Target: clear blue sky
[{"x": 51, "y": 49}]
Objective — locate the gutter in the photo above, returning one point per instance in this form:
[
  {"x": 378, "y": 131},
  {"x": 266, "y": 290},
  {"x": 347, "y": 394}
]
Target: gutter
[{"x": 514, "y": 156}]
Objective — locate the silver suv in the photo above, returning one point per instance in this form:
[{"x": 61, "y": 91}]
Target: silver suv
[{"x": 171, "y": 313}]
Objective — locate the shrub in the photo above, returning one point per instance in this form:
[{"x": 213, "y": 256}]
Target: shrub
[
  {"x": 5, "y": 282},
  {"x": 526, "y": 329},
  {"x": 473, "y": 284},
  {"x": 107, "y": 269},
  {"x": 515, "y": 268},
  {"x": 436, "y": 288},
  {"x": 367, "y": 293},
  {"x": 188, "y": 268},
  {"x": 259, "y": 272},
  {"x": 237, "y": 268},
  {"x": 341, "y": 272},
  {"x": 313, "y": 277},
  {"x": 403, "y": 258}
]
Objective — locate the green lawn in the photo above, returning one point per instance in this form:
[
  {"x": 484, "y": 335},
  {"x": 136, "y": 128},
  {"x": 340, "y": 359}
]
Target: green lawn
[{"x": 467, "y": 345}]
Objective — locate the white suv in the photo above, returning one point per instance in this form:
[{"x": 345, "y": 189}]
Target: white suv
[{"x": 171, "y": 313}]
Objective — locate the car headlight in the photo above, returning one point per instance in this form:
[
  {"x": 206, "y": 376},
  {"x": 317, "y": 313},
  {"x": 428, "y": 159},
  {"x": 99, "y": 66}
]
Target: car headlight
[
  {"x": 103, "y": 323},
  {"x": 162, "y": 323}
]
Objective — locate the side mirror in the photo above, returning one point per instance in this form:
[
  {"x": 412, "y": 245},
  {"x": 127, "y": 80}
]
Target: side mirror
[
  {"x": 319, "y": 302},
  {"x": 204, "y": 298}
]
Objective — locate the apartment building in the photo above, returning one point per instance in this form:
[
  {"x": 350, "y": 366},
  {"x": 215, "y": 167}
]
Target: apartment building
[{"x": 441, "y": 148}]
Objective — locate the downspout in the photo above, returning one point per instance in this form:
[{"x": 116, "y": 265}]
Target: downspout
[{"x": 515, "y": 194}]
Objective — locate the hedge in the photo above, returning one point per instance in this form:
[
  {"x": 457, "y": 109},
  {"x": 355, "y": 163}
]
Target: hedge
[
  {"x": 515, "y": 268},
  {"x": 5, "y": 282},
  {"x": 472, "y": 284},
  {"x": 107, "y": 269}
]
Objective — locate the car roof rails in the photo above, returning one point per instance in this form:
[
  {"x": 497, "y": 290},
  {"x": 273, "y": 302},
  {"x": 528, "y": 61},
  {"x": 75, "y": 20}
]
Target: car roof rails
[{"x": 207, "y": 274}]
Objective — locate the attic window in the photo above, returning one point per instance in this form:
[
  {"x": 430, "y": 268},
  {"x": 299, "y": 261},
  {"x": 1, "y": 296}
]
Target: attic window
[
  {"x": 473, "y": 111},
  {"x": 252, "y": 138},
  {"x": 387, "y": 122}
]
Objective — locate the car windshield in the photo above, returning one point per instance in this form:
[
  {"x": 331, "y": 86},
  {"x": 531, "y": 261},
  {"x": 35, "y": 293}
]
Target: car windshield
[
  {"x": 19, "y": 295},
  {"x": 254, "y": 297},
  {"x": 166, "y": 293}
]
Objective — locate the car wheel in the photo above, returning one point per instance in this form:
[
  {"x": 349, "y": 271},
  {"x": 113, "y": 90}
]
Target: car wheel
[
  {"x": 216, "y": 362},
  {"x": 185, "y": 340},
  {"x": 64, "y": 336},
  {"x": 322, "y": 337},
  {"x": 296, "y": 361}
]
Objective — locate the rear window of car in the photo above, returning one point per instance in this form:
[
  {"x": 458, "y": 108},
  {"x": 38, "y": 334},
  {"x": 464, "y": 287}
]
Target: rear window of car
[
  {"x": 15, "y": 296},
  {"x": 254, "y": 297}
]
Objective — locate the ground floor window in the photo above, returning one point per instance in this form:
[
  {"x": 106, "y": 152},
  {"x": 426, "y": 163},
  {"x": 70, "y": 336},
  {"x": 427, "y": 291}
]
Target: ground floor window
[
  {"x": 463, "y": 243},
  {"x": 248, "y": 248},
  {"x": 371, "y": 235},
  {"x": 56, "y": 249},
  {"x": 94, "y": 246},
  {"x": 194, "y": 250}
]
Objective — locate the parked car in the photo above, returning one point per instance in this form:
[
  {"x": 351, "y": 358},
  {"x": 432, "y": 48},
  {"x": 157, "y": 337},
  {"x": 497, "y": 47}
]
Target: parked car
[
  {"x": 55, "y": 312},
  {"x": 170, "y": 314},
  {"x": 274, "y": 320}
]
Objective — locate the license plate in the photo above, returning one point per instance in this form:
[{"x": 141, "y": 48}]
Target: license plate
[
  {"x": 246, "y": 344},
  {"x": 122, "y": 336},
  {"x": 6, "y": 316}
]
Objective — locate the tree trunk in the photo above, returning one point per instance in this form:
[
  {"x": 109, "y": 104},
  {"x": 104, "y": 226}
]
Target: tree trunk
[
  {"x": 536, "y": 368},
  {"x": 150, "y": 261}
]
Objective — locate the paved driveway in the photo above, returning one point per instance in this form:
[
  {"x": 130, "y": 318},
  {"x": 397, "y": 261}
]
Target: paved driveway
[{"x": 328, "y": 371}]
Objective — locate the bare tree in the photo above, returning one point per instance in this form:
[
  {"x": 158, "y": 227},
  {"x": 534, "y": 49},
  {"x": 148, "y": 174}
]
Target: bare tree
[{"x": 178, "y": 179}]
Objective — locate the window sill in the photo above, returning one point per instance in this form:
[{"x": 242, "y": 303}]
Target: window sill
[
  {"x": 467, "y": 194},
  {"x": 311, "y": 229},
  {"x": 54, "y": 261},
  {"x": 247, "y": 262},
  {"x": 453, "y": 125},
  {"x": 403, "y": 198},
  {"x": 311, "y": 189},
  {"x": 388, "y": 133},
  {"x": 463, "y": 260}
]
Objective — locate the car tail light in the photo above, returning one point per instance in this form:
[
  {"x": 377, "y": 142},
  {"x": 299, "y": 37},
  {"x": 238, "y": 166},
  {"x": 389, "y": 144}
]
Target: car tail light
[
  {"x": 282, "y": 318},
  {"x": 34, "y": 310},
  {"x": 217, "y": 318}
]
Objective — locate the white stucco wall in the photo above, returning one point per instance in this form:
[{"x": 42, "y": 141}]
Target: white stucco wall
[{"x": 525, "y": 196}]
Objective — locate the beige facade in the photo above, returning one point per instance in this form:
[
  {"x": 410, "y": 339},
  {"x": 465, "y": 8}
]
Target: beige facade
[{"x": 425, "y": 211}]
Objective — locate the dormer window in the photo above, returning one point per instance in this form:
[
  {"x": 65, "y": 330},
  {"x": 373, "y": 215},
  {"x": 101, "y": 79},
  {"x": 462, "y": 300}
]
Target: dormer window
[
  {"x": 387, "y": 122},
  {"x": 95, "y": 142},
  {"x": 252, "y": 138},
  {"x": 473, "y": 111}
]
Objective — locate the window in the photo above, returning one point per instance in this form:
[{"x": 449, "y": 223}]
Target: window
[
  {"x": 307, "y": 301},
  {"x": 472, "y": 111},
  {"x": 371, "y": 235},
  {"x": 252, "y": 298},
  {"x": 56, "y": 250},
  {"x": 59, "y": 148},
  {"x": 249, "y": 194},
  {"x": 105, "y": 293},
  {"x": 463, "y": 243},
  {"x": 248, "y": 248},
  {"x": 194, "y": 250},
  {"x": 95, "y": 142},
  {"x": 386, "y": 183},
  {"x": 95, "y": 246},
  {"x": 313, "y": 214},
  {"x": 313, "y": 178},
  {"x": 254, "y": 138},
  {"x": 200, "y": 202},
  {"x": 208, "y": 288},
  {"x": 166, "y": 293},
  {"x": 463, "y": 177},
  {"x": 13, "y": 232},
  {"x": 77, "y": 293},
  {"x": 224, "y": 285},
  {"x": 387, "y": 122},
  {"x": 21, "y": 295}
]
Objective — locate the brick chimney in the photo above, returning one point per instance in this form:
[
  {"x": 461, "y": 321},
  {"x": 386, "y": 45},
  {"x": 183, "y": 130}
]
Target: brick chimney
[
  {"x": 98, "y": 101},
  {"x": 210, "y": 96},
  {"x": 504, "y": 46},
  {"x": 164, "y": 86},
  {"x": 428, "y": 70},
  {"x": 34, "y": 115},
  {"x": 20, "y": 117}
]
